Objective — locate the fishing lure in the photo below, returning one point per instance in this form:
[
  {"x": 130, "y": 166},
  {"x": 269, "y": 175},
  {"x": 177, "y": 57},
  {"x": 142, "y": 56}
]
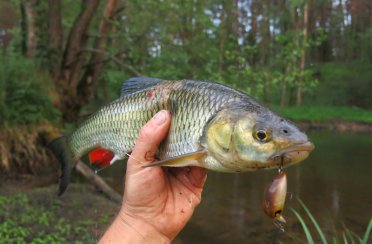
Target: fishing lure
[{"x": 274, "y": 199}]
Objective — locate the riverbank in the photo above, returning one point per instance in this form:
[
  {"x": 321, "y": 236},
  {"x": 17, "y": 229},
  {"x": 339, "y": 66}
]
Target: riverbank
[
  {"x": 339, "y": 119},
  {"x": 31, "y": 212},
  {"x": 36, "y": 214},
  {"x": 337, "y": 126}
]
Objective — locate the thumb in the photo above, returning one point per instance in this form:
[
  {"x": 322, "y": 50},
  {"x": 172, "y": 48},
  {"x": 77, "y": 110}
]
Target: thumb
[{"x": 150, "y": 136}]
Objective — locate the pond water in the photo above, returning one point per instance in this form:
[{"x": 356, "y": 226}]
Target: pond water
[{"x": 335, "y": 183}]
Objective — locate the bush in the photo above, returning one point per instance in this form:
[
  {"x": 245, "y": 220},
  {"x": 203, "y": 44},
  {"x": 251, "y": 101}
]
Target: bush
[
  {"x": 25, "y": 114},
  {"x": 24, "y": 93},
  {"x": 343, "y": 84}
]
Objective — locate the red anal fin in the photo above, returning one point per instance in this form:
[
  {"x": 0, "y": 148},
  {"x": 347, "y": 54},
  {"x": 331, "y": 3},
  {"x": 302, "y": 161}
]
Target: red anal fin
[{"x": 100, "y": 158}]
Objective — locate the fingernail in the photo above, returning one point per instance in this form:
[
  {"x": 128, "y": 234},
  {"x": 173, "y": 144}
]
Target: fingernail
[{"x": 159, "y": 118}]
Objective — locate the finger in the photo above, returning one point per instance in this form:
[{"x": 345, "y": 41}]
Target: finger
[{"x": 148, "y": 141}]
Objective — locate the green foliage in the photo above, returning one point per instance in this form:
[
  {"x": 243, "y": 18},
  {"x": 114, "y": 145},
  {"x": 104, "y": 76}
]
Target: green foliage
[
  {"x": 24, "y": 93},
  {"x": 341, "y": 84},
  {"x": 367, "y": 234},
  {"x": 205, "y": 40},
  {"x": 325, "y": 113},
  {"x": 347, "y": 235},
  {"x": 32, "y": 220},
  {"x": 115, "y": 79},
  {"x": 304, "y": 226},
  {"x": 193, "y": 41},
  {"x": 315, "y": 223}
]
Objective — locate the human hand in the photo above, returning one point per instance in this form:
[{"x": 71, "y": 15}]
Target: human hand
[{"x": 158, "y": 201}]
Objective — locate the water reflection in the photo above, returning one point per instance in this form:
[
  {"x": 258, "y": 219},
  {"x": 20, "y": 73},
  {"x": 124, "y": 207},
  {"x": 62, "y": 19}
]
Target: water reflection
[
  {"x": 334, "y": 183},
  {"x": 335, "y": 201}
]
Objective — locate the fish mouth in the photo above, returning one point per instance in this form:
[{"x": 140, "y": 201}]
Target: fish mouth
[{"x": 293, "y": 154}]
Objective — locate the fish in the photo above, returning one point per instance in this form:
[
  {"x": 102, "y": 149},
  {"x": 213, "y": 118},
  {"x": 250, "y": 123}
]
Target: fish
[
  {"x": 274, "y": 198},
  {"x": 212, "y": 126}
]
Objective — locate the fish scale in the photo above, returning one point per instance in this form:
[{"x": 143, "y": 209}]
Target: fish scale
[
  {"x": 123, "y": 118},
  {"x": 212, "y": 126}
]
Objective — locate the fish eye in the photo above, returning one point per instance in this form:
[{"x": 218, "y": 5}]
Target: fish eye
[{"x": 262, "y": 135}]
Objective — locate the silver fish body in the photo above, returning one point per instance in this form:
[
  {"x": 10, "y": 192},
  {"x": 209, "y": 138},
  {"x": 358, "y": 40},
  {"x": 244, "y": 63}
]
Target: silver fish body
[
  {"x": 191, "y": 103},
  {"x": 213, "y": 126}
]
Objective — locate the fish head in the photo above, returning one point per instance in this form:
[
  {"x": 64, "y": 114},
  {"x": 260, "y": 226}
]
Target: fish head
[{"x": 244, "y": 140}]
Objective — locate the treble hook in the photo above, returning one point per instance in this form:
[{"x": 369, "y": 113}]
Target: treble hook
[{"x": 280, "y": 169}]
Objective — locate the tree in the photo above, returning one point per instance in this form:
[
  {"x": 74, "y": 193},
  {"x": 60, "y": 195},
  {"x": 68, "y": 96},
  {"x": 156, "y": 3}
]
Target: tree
[
  {"x": 29, "y": 27},
  {"x": 303, "y": 55},
  {"x": 75, "y": 78}
]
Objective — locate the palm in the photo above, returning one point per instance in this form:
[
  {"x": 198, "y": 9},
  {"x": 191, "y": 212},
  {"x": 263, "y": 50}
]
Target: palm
[
  {"x": 157, "y": 201},
  {"x": 164, "y": 197}
]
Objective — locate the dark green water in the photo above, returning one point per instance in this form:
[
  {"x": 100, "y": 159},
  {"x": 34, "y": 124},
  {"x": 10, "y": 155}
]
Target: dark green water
[{"x": 335, "y": 182}]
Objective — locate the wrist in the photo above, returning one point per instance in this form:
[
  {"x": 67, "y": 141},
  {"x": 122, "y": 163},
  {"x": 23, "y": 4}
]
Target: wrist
[
  {"x": 130, "y": 229},
  {"x": 146, "y": 231}
]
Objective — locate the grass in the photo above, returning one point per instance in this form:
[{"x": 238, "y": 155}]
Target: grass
[
  {"x": 325, "y": 113},
  {"x": 348, "y": 236},
  {"x": 38, "y": 216}
]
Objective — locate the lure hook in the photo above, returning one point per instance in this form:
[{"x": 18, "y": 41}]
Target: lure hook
[{"x": 280, "y": 169}]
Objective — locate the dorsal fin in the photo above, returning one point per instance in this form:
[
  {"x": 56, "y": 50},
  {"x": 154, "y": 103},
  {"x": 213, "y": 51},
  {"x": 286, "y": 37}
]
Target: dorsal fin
[{"x": 136, "y": 84}]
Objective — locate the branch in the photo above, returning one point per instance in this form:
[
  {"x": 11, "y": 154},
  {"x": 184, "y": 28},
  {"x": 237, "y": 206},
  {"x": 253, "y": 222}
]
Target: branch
[
  {"x": 116, "y": 60},
  {"x": 98, "y": 181}
]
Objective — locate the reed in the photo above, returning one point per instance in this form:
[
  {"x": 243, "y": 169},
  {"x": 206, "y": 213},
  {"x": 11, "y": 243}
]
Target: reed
[{"x": 347, "y": 236}]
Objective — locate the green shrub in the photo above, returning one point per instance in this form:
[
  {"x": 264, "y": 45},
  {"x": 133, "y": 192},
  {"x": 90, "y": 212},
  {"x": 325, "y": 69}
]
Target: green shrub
[
  {"x": 24, "y": 93},
  {"x": 324, "y": 113},
  {"x": 343, "y": 84}
]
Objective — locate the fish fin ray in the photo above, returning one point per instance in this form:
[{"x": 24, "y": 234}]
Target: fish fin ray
[
  {"x": 189, "y": 159},
  {"x": 136, "y": 84}
]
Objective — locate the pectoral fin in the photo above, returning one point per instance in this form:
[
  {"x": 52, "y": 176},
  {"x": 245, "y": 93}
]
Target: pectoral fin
[{"x": 189, "y": 159}]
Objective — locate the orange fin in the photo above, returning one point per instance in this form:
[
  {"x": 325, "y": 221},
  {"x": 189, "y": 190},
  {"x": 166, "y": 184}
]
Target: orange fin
[{"x": 101, "y": 158}]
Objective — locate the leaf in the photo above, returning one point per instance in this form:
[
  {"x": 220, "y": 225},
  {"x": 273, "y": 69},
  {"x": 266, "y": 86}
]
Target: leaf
[
  {"x": 304, "y": 226},
  {"x": 367, "y": 233},
  {"x": 321, "y": 234}
]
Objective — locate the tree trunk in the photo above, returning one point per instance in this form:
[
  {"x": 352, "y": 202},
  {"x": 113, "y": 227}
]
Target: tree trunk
[
  {"x": 23, "y": 27},
  {"x": 325, "y": 48},
  {"x": 303, "y": 58},
  {"x": 265, "y": 46},
  {"x": 265, "y": 33},
  {"x": 73, "y": 61},
  {"x": 89, "y": 80},
  {"x": 252, "y": 35},
  {"x": 235, "y": 31},
  {"x": 285, "y": 24},
  {"x": 223, "y": 34},
  {"x": 31, "y": 41},
  {"x": 55, "y": 34}
]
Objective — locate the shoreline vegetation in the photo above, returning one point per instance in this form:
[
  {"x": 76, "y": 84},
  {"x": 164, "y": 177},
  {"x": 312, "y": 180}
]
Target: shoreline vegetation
[
  {"x": 340, "y": 119},
  {"x": 37, "y": 215}
]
